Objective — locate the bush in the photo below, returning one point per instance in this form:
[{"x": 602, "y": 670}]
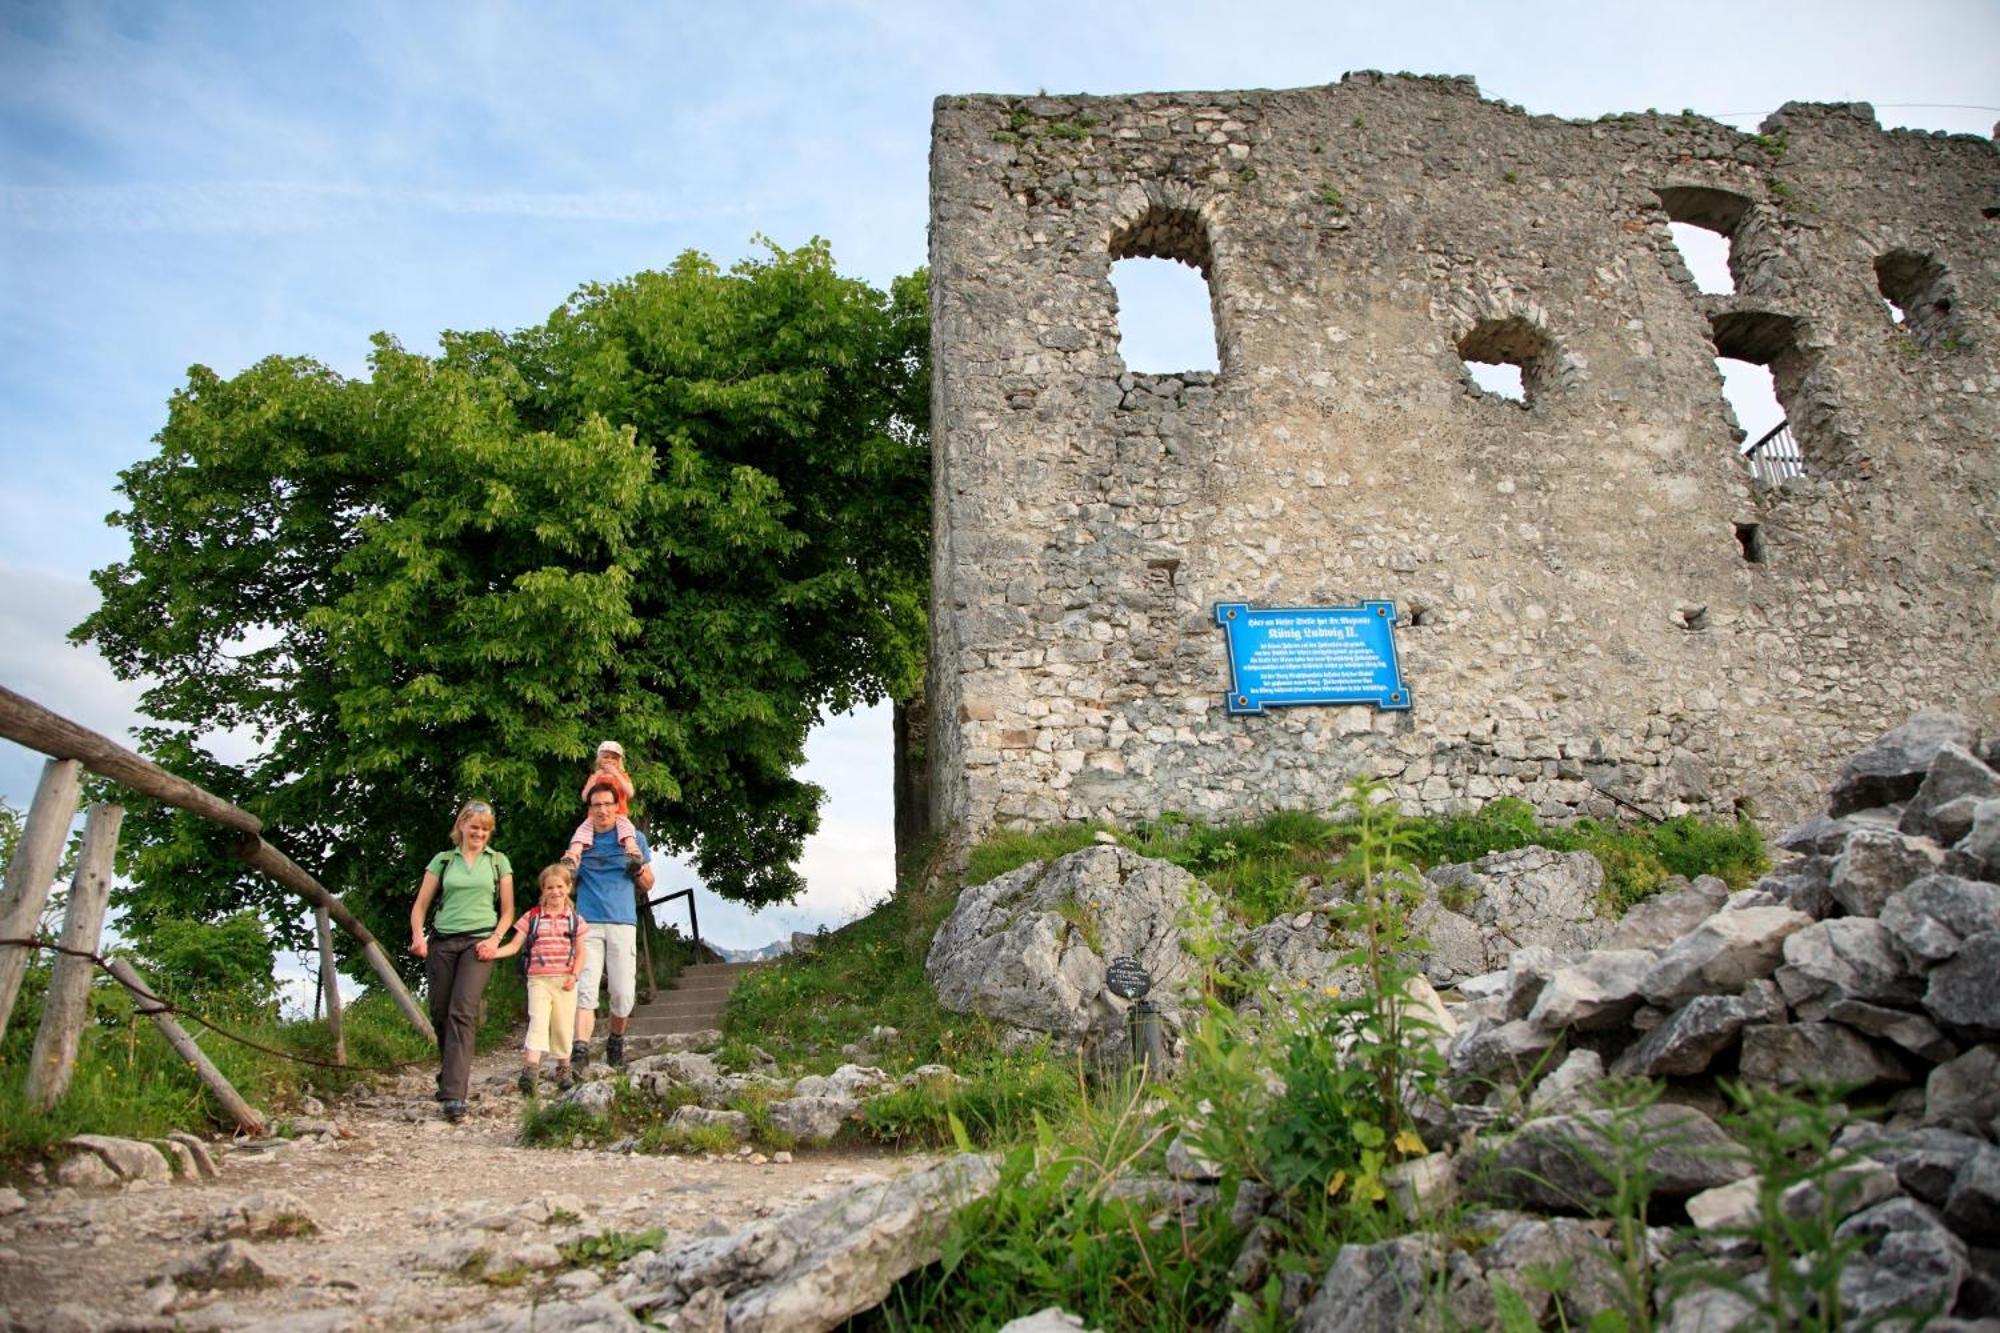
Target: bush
[{"x": 221, "y": 968}]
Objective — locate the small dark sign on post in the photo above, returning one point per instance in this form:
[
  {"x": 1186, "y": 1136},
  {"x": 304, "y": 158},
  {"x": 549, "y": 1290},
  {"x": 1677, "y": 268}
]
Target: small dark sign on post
[{"x": 1128, "y": 979}]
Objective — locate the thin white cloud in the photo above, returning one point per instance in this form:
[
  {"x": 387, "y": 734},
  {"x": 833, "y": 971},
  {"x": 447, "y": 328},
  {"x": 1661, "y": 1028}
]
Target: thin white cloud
[
  {"x": 277, "y": 207},
  {"x": 37, "y": 610}
]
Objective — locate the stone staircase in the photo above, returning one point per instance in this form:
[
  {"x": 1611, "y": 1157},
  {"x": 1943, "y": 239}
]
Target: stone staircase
[{"x": 693, "y": 1003}]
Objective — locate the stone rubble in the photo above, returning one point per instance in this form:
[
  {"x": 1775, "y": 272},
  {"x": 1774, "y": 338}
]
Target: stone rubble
[{"x": 1871, "y": 961}]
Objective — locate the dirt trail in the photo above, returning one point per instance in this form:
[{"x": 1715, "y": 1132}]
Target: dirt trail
[{"x": 400, "y": 1203}]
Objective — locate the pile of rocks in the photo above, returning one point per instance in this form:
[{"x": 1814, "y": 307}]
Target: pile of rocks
[
  {"x": 809, "y": 1111},
  {"x": 1870, "y": 962}
]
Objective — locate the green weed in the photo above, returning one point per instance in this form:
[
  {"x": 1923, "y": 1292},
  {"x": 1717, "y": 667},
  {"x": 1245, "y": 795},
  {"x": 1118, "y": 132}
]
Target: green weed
[
  {"x": 608, "y": 1249},
  {"x": 1059, "y": 1231}
]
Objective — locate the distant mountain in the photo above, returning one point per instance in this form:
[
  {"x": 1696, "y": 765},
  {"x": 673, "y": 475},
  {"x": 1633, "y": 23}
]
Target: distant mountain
[{"x": 775, "y": 949}]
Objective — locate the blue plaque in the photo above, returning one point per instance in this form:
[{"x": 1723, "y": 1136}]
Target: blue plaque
[{"x": 1284, "y": 655}]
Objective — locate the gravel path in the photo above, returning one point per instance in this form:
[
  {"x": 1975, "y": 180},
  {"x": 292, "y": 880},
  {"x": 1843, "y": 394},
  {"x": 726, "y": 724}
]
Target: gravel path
[{"x": 402, "y": 1202}]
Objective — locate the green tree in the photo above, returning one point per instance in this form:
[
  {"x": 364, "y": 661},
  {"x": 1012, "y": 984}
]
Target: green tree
[{"x": 690, "y": 511}]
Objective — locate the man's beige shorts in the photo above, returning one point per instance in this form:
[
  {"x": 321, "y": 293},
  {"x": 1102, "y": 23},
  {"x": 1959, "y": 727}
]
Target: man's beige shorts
[{"x": 610, "y": 954}]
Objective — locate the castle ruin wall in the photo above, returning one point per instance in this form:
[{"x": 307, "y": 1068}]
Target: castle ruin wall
[{"x": 1599, "y": 607}]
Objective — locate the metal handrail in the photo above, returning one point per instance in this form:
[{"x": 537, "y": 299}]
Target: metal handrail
[
  {"x": 1776, "y": 456},
  {"x": 694, "y": 926}
]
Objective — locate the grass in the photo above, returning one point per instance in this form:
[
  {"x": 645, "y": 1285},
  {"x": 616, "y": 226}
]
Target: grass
[
  {"x": 804, "y": 1008},
  {"x": 633, "y": 1115}
]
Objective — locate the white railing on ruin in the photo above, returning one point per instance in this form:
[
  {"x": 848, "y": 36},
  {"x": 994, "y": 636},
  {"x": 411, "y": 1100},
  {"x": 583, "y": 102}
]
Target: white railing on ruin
[
  {"x": 1776, "y": 456},
  {"x": 31, "y": 875}
]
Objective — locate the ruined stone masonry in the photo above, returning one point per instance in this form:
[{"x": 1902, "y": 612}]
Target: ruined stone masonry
[{"x": 1597, "y": 603}]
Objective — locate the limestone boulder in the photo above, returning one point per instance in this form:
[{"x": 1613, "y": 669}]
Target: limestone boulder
[
  {"x": 1823, "y": 835},
  {"x": 1301, "y": 948},
  {"x": 592, "y": 1311},
  {"x": 1569, "y": 1086},
  {"x": 1722, "y": 955},
  {"x": 734, "y": 1123},
  {"x": 1979, "y": 849},
  {"x": 1907, "y": 1031},
  {"x": 233, "y": 1265},
  {"x": 1557, "y": 1244},
  {"x": 814, "y": 1120},
  {"x": 130, "y": 1160},
  {"x": 1875, "y": 864},
  {"x": 1935, "y": 914},
  {"x": 1953, "y": 785},
  {"x": 1556, "y": 1164},
  {"x": 1805, "y": 884},
  {"x": 1964, "y": 994},
  {"x": 1891, "y": 769},
  {"x": 1031, "y": 947},
  {"x": 1795, "y": 1054},
  {"x": 1927, "y": 1160},
  {"x": 265, "y": 1215},
  {"x": 1528, "y": 970},
  {"x": 1847, "y": 958},
  {"x": 1408, "y": 1282},
  {"x": 1691, "y": 1037},
  {"x": 1487, "y": 1054},
  {"x": 1656, "y": 921},
  {"x": 1907, "y": 1261},
  {"x": 1053, "y": 1319},
  {"x": 1597, "y": 993},
  {"x": 816, "y": 1267},
  {"x": 1964, "y": 1094},
  {"x": 1972, "y": 1208},
  {"x": 855, "y": 1081},
  {"x": 1532, "y": 896}
]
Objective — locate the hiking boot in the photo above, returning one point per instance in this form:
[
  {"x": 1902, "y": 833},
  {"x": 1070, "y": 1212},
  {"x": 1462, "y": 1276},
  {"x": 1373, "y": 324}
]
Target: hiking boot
[
  {"x": 579, "y": 1055},
  {"x": 454, "y": 1110},
  {"x": 614, "y": 1050},
  {"x": 526, "y": 1083},
  {"x": 565, "y": 1078}
]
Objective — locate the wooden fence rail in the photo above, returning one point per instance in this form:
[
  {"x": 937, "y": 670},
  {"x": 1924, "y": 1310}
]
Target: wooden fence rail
[{"x": 32, "y": 870}]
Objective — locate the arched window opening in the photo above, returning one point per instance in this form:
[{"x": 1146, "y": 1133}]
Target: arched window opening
[
  {"x": 1702, "y": 223},
  {"x": 1506, "y": 359},
  {"x": 1762, "y": 371},
  {"x": 1164, "y": 321},
  {"x": 1919, "y": 294},
  {"x": 1498, "y": 378},
  {"x": 1706, "y": 255},
  {"x": 1165, "y": 313},
  {"x": 1767, "y": 445}
]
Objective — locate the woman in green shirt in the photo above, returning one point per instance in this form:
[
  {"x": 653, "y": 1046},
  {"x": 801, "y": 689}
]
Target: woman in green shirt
[{"x": 476, "y": 907}]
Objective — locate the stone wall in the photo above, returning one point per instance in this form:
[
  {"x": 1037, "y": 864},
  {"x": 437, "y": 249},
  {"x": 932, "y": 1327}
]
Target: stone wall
[{"x": 1597, "y": 603}]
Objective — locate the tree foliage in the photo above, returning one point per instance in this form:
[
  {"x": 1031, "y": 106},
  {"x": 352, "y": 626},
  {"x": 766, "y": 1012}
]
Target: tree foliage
[{"x": 689, "y": 511}]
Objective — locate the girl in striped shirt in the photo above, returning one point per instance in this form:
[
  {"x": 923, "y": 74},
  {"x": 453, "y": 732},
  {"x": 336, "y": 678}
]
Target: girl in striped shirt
[{"x": 552, "y": 933}]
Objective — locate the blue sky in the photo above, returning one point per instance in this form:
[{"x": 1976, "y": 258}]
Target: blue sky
[{"x": 216, "y": 182}]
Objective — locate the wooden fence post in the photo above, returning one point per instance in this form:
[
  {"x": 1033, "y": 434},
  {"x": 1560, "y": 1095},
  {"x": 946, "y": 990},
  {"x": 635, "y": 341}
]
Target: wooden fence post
[
  {"x": 329, "y": 982},
  {"x": 68, "y": 1003},
  {"x": 31, "y": 872},
  {"x": 274, "y": 863},
  {"x": 247, "y": 1117}
]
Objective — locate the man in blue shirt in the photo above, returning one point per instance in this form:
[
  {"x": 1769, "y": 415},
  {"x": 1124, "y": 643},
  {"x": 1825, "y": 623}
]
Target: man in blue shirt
[{"x": 605, "y": 900}]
